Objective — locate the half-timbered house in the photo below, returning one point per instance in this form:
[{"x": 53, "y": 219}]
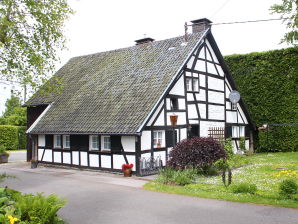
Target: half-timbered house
[{"x": 115, "y": 106}]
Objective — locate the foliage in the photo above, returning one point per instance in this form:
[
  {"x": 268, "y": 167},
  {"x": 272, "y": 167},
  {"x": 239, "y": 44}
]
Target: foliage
[
  {"x": 242, "y": 145},
  {"x": 31, "y": 32},
  {"x": 244, "y": 188},
  {"x": 178, "y": 177},
  {"x": 9, "y": 136},
  {"x": 288, "y": 9},
  {"x": 288, "y": 188},
  {"x": 28, "y": 208},
  {"x": 196, "y": 152},
  {"x": 261, "y": 171},
  {"x": 268, "y": 85},
  {"x": 14, "y": 114},
  {"x": 228, "y": 146},
  {"x": 22, "y": 137}
]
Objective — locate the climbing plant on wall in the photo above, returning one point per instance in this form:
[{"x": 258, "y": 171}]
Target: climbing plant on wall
[{"x": 268, "y": 82}]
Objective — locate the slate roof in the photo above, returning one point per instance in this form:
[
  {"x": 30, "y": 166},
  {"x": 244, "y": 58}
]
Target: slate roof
[{"x": 113, "y": 92}]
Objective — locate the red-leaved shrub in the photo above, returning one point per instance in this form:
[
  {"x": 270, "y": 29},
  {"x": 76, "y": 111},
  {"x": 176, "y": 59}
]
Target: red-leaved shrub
[{"x": 196, "y": 152}]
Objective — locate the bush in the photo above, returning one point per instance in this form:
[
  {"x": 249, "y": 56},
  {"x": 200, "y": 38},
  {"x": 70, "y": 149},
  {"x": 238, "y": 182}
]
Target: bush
[
  {"x": 288, "y": 188},
  {"x": 196, "y": 152},
  {"x": 178, "y": 177},
  {"x": 9, "y": 136},
  {"x": 22, "y": 137},
  {"x": 244, "y": 188}
]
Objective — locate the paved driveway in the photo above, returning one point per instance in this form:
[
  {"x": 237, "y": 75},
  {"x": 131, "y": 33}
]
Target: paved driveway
[
  {"x": 95, "y": 197},
  {"x": 17, "y": 156}
]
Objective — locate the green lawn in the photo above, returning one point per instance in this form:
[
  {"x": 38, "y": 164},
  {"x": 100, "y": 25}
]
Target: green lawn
[{"x": 266, "y": 170}]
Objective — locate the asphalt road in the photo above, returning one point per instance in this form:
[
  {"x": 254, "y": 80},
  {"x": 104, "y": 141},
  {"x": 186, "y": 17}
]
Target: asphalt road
[
  {"x": 95, "y": 197},
  {"x": 17, "y": 156}
]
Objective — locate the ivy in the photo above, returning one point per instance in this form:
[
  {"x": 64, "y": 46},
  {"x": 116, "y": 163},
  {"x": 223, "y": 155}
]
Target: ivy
[{"x": 268, "y": 84}]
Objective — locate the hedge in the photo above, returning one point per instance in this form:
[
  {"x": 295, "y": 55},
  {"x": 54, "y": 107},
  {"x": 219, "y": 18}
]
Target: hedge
[
  {"x": 268, "y": 84},
  {"x": 13, "y": 137}
]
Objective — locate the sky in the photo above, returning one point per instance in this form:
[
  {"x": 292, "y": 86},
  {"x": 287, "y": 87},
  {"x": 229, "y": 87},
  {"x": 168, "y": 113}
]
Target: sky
[{"x": 104, "y": 25}]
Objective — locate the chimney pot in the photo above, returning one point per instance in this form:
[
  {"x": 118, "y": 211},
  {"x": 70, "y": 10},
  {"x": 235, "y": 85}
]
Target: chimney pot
[{"x": 200, "y": 25}]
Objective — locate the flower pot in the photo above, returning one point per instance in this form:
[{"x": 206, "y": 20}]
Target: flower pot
[
  {"x": 127, "y": 172},
  {"x": 4, "y": 158},
  {"x": 173, "y": 119},
  {"x": 34, "y": 165}
]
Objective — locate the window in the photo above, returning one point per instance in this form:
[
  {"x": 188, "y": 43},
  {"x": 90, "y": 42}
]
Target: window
[
  {"x": 94, "y": 142},
  {"x": 174, "y": 104},
  {"x": 235, "y": 132},
  {"x": 188, "y": 85},
  {"x": 195, "y": 85},
  {"x": 106, "y": 142},
  {"x": 66, "y": 141},
  {"x": 157, "y": 139},
  {"x": 57, "y": 141},
  {"x": 242, "y": 131}
]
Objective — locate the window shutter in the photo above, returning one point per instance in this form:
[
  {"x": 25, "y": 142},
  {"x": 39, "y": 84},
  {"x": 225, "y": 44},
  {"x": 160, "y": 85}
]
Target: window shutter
[
  {"x": 228, "y": 131},
  {"x": 49, "y": 141},
  {"x": 169, "y": 138},
  {"x": 116, "y": 145}
]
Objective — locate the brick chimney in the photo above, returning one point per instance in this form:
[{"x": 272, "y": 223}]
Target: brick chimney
[
  {"x": 200, "y": 25},
  {"x": 144, "y": 40}
]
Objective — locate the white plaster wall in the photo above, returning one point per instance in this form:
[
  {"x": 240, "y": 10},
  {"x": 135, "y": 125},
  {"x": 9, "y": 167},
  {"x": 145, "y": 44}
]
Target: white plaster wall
[
  {"x": 93, "y": 160},
  {"x": 181, "y": 118},
  {"x": 190, "y": 62},
  {"x": 242, "y": 113},
  {"x": 160, "y": 120},
  {"x": 208, "y": 56},
  {"x": 66, "y": 157},
  {"x": 202, "y": 95},
  {"x": 200, "y": 66},
  {"x": 106, "y": 161},
  {"x": 240, "y": 120},
  {"x": 162, "y": 156},
  {"x": 231, "y": 117},
  {"x": 40, "y": 152},
  {"x": 216, "y": 97},
  {"x": 41, "y": 140},
  {"x": 189, "y": 97},
  {"x": 195, "y": 75},
  {"x": 118, "y": 161},
  {"x": 211, "y": 68},
  {"x": 84, "y": 160},
  {"x": 220, "y": 71},
  {"x": 202, "y": 53},
  {"x": 128, "y": 143},
  {"x": 192, "y": 111},
  {"x": 146, "y": 140},
  {"x": 202, "y": 108},
  {"x": 193, "y": 121},
  {"x": 183, "y": 132},
  {"x": 205, "y": 125},
  {"x": 155, "y": 114},
  {"x": 181, "y": 103},
  {"x": 75, "y": 157},
  {"x": 228, "y": 105},
  {"x": 168, "y": 103},
  {"x": 216, "y": 112},
  {"x": 188, "y": 74},
  {"x": 202, "y": 80},
  {"x": 57, "y": 157},
  {"x": 217, "y": 84},
  {"x": 48, "y": 156},
  {"x": 212, "y": 52},
  {"x": 178, "y": 88}
]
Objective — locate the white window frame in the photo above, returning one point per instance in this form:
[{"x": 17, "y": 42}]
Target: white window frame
[
  {"x": 235, "y": 131},
  {"x": 242, "y": 131},
  {"x": 188, "y": 84},
  {"x": 56, "y": 142},
  {"x": 158, "y": 137},
  {"x": 91, "y": 141},
  {"x": 106, "y": 145},
  {"x": 66, "y": 139}
]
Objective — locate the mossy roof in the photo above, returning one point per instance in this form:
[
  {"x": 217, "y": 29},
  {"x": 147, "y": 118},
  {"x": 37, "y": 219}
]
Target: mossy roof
[{"x": 115, "y": 91}]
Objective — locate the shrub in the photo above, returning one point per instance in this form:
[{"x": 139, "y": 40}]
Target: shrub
[
  {"x": 9, "y": 136},
  {"x": 22, "y": 137},
  {"x": 196, "y": 152},
  {"x": 178, "y": 177},
  {"x": 244, "y": 188},
  {"x": 288, "y": 188}
]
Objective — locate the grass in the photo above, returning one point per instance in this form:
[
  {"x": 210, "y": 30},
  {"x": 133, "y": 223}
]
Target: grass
[{"x": 265, "y": 170}]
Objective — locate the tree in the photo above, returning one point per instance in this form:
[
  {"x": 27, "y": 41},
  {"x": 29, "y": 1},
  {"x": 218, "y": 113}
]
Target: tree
[
  {"x": 14, "y": 113},
  {"x": 288, "y": 9},
  {"x": 31, "y": 33},
  {"x": 10, "y": 104}
]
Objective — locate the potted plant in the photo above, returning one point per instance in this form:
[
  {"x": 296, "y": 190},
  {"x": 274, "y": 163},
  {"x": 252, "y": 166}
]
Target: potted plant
[
  {"x": 3, "y": 154},
  {"x": 158, "y": 145},
  {"x": 127, "y": 169},
  {"x": 33, "y": 163}
]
